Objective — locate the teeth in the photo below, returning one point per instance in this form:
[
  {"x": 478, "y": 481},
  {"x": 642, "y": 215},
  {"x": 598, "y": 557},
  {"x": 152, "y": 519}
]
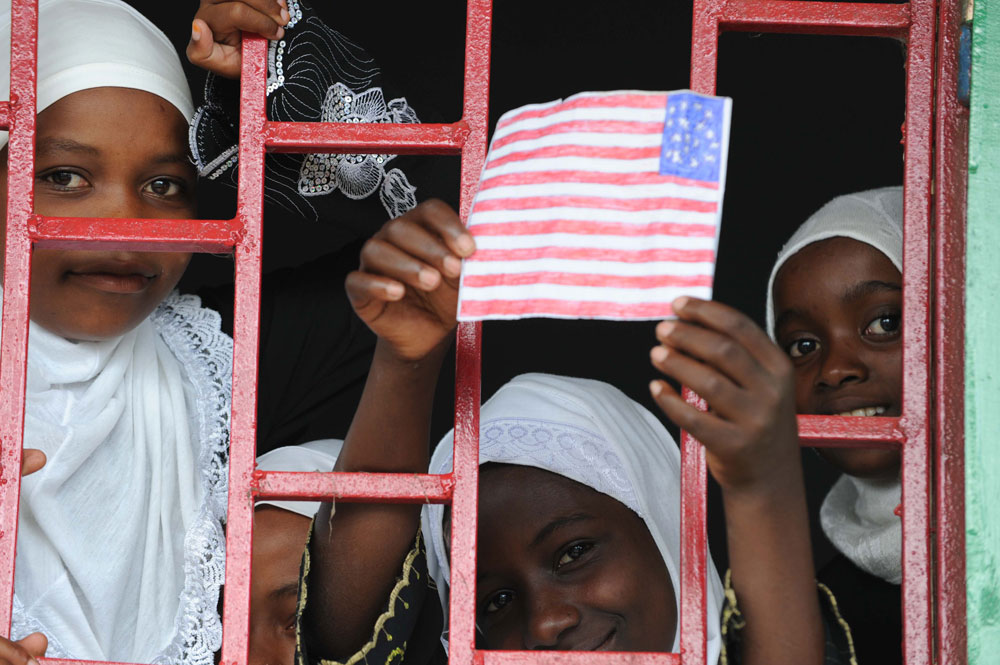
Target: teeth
[{"x": 865, "y": 411}]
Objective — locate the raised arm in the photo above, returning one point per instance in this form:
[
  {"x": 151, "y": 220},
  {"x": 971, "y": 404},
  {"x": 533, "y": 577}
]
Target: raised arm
[
  {"x": 406, "y": 291},
  {"x": 751, "y": 440}
]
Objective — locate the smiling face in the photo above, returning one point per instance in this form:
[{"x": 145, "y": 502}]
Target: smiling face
[
  {"x": 838, "y": 314},
  {"x": 279, "y": 540},
  {"x": 562, "y": 566},
  {"x": 107, "y": 152}
]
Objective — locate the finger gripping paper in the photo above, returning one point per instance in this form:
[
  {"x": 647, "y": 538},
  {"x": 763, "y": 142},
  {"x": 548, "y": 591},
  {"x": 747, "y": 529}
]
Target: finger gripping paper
[{"x": 600, "y": 206}]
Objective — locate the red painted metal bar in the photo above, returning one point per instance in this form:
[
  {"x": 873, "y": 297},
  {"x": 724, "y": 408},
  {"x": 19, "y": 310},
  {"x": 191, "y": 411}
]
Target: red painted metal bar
[
  {"x": 694, "y": 548},
  {"x": 915, "y": 420},
  {"x": 5, "y": 115},
  {"x": 17, "y": 271},
  {"x": 576, "y": 658},
  {"x": 475, "y": 112},
  {"x": 366, "y": 138},
  {"x": 346, "y": 487},
  {"x": 246, "y": 333},
  {"x": 137, "y": 235},
  {"x": 816, "y": 18},
  {"x": 951, "y": 161},
  {"x": 843, "y": 432}
]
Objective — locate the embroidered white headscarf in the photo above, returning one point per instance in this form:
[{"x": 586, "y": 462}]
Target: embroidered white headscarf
[
  {"x": 318, "y": 455},
  {"x": 590, "y": 432},
  {"x": 858, "y": 515},
  {"x": 84, "y": 44},
  {"x": 120, "y": 545}
]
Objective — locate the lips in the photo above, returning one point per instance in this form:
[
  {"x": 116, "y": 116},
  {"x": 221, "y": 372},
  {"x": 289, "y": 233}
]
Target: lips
[{"x": 119, "y": 277}]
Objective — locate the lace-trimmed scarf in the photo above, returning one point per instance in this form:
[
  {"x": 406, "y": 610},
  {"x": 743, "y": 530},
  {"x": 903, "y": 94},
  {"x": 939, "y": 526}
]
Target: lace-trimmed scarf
[
  {"x": 590, "y": 432},
  {"x": 120, "y": 543},
  {"x": 858, "y": 515}
]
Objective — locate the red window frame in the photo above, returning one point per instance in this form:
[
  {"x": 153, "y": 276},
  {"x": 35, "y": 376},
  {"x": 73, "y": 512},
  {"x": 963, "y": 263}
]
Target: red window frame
[{"x": 932, "y": 417}]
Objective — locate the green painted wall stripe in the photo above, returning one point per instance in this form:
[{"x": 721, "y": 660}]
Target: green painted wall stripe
[{"x": 982, "y": 342}]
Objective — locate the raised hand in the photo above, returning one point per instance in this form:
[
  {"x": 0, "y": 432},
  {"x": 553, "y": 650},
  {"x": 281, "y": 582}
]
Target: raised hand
[
  {"x": 216, "y": 31},
  {"x": 750, "y": 432},
  {"x": 24, "y": 651},
  {"x": 406, "y": 289}
]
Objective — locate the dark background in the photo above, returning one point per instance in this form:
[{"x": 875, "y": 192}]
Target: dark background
[{"x": 813, "y": 117}]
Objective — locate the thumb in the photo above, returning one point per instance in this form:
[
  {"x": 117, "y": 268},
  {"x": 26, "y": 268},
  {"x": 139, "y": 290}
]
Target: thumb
[
  {"x": 32, "y": 460},
  {"x": 202, "y": 43},
  {"x": 35, "y": 644}
]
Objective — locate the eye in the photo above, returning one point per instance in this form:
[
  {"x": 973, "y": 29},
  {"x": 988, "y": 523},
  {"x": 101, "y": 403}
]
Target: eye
[
  {"x": 165, "y": 188},
  {"x": 802, "y": 347},
  {"x": 65, "y": 180},
  {"x": 887, "y": 324},
  {"x": 290, "y": 624},
  {"x": 572, "y": 553},
  {"x": 498, "y": 601}
]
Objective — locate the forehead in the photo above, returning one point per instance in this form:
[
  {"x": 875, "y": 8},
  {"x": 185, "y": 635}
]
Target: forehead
[
  {"x": 830, "y": 267},
  {"x": 115, "y": 119}
]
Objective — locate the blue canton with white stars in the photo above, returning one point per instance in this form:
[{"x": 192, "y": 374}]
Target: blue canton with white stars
[{"x": 692, "y": 136}]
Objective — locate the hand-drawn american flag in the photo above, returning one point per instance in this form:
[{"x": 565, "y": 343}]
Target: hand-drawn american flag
[{"x": 603, "y": 205}]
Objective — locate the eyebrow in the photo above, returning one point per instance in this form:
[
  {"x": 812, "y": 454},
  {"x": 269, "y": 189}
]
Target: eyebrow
[
  {"x": 292, "y": 588},
  {"x": 51, "y": 144},
  {"x": 871, "y": 287},
  {"x": 557, "y": 524}
]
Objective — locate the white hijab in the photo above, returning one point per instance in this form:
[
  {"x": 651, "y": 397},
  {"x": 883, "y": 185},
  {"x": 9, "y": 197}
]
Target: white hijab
[
  {"x": 120, "y": 544},
  {"x": 590, "y": 432},
  {"x": 858, "y": 514},
  {"x": 318, "y": 455}
]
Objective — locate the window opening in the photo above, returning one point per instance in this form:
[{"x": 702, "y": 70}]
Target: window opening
[{"x": 913, "y": 22}]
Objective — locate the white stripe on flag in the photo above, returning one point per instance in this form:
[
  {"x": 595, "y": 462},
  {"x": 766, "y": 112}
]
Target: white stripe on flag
[
  {"x": 611, "y": 191},
  {"x": 593, "y": 214}
]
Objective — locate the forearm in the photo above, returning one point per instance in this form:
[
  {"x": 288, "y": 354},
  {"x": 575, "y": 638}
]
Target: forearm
[
  {"x": 772, "y": 572},
  {"x": 357, "y": 550}
]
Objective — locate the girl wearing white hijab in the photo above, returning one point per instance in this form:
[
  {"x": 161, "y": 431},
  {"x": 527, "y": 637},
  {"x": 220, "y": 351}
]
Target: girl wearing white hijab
[
  {"x": 847, "y": 352},
  {"x": 591, "y": 433}
]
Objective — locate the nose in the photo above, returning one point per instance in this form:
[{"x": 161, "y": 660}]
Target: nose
[
  {"x": 552, "y": 617},
  {"x": 842, "y": 364}
]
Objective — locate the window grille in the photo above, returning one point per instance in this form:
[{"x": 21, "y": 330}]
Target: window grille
[{"x": 931, "y": 422}]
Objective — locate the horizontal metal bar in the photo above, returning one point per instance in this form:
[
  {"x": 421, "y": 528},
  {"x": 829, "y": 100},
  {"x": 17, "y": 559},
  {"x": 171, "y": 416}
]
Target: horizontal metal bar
[
  {"x": 135, "y": 235},
  {"x": 354, "y": 487},
  {"x": 366, "y": 138},
  {"x": 827, "y": 18},
  {"x": 850, "y": 432},
  {"x": 575, "y": 658},
  {"x": 4, "y": 115}
]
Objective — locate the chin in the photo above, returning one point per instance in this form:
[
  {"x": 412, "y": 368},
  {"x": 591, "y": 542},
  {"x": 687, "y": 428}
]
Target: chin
[{"x": 871, "y": 464}]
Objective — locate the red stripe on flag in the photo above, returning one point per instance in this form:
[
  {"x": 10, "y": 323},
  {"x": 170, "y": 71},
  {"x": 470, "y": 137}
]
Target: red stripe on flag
[
  {"x": 609, "y": 101},
  {"x": 584, "y": 126},
  {"x": 572, "y": 308},
  {"x": 592, "y": 151},
  {"x": 580, "y": 227},
  {"x": 586, "y": 279},
  {"x": 591, "y": 178},
  {"x": 599, "y": 202},
  {"x": 596, "y": 254}
]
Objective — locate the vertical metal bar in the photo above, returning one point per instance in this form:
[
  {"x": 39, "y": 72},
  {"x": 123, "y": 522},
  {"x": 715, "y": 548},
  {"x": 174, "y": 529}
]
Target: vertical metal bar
[
  {"x": 915, "y": 421},
  {"x": 475, "y": 112},
  {"x": 951, "y": 160},
  {"x": 694, "y": 478},
  {"x": 17, "y": 271},
  {"x": 246, "y": 334}
]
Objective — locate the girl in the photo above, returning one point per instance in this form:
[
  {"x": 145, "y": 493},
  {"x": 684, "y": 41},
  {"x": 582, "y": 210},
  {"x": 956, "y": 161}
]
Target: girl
[
  {"x": 120, "y": 553},
  {"x": 534, "y": 591},
  {"x": 279, "y": 535},
  {"x": 835, "y": 306}
]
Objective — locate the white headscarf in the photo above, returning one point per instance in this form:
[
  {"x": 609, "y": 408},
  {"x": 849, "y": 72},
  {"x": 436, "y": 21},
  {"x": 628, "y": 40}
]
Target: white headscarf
[
  {"x": 85, "y": 44},
  {"x": 590, "y": 432},
  {"x": 318, "y": 455},
  {"x": 858, "y": 514},
  {"x": 120, "y": 545}
]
